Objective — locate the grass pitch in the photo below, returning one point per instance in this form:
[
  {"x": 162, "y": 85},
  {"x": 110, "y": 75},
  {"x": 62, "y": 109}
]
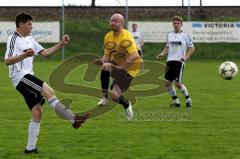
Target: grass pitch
[{"x": 210, "y": 132}]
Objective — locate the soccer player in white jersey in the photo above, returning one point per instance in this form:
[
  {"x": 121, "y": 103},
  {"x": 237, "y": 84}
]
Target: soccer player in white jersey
[
  {"x": 179, "y": 48},
  {"x": 138, "y": 38},
  {"x": 21, "y": 49}
]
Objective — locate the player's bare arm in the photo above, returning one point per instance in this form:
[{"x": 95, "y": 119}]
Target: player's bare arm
[
  {"x": 163, "y": 53},
  {"x": 106, "y": 65},
  {"x": 52, "y": 50},
  {"x": 15, "y": 59},
  {"x": 129, "y": 61},
  {"x": 188, "y": 54}
]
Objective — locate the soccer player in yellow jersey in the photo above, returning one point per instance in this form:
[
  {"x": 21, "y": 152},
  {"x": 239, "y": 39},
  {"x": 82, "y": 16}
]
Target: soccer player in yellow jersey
[{"x": 121, "y": 60}]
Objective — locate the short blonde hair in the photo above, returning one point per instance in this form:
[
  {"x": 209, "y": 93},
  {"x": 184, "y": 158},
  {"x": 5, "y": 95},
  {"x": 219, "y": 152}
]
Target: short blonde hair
[{"x": 178, "y": 18}]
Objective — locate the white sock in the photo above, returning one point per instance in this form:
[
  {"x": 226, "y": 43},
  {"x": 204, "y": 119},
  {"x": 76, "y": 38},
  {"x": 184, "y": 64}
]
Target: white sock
[
  {"x": 53, "y": 102},
  {"x": 33, "y": 132},
  {"x": 184, "y": 91},
  {"x": 172, "y": 91},
  {"x": 61, "y": 110}
]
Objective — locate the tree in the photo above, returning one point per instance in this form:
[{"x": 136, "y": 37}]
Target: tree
[{"x": 93, "y": 3}]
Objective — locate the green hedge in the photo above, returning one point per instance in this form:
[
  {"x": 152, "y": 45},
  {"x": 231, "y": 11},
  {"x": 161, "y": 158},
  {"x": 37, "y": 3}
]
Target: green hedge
[{"x": 87, "y": 37}]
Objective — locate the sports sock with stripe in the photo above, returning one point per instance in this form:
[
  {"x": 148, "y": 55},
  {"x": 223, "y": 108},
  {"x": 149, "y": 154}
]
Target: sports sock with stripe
[{"x": 61, "y": 110}]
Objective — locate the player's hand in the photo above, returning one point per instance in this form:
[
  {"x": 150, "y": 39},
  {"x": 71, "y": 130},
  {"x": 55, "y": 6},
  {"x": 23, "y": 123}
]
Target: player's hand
[
  {"x": 29, "y": 52},
  {"x": 98, "y": 62},
  {"x": 65, "y": 40},
  {"x": 184, "y": 59},
  {"x": 115, "y": 67},
  {"x": 159, "y": 57},
  {"x": 107, "y": 66}
]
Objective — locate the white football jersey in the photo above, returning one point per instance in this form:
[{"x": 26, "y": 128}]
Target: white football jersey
[
  {"x": 17, "y": 45},
  {"x": 178, "y": 43},
  {"x": 138, "y": 38}
]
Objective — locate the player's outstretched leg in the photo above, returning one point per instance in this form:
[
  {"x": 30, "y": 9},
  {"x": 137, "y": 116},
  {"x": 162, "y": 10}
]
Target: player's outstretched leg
[{"x": 61, "y": 110}]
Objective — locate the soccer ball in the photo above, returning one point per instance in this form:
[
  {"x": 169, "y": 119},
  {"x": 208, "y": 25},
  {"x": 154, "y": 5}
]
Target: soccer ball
[{"x": 228, "y": 70}]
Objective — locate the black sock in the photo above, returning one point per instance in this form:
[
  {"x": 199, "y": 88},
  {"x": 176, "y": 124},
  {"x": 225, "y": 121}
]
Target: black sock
[
  {"x": 186, "y": 97},
  {"x": 105, "y": 75},
  {"x": 123, "y": 102},
  {"x": 174, "y": 97}
]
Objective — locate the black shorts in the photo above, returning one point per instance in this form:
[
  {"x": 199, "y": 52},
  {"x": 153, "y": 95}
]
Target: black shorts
[
  {"x": 174, "y": 71},
  {"x": 31, "y": 87},
  {"x": 122, "y": 79}
]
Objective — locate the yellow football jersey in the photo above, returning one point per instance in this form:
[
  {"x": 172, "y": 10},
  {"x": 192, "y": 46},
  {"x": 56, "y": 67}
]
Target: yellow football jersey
[{"x": 118, "y": 49}]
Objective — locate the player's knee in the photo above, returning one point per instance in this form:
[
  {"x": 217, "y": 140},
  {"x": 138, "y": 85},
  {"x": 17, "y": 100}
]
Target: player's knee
[
  {"x": 167, "y": 84},
  {"x": 38, "y": 110},
  {"x": 115, "y": 98},
  {"x": 37, "y": 113},
  {"x": 178, "y": 85},
  {"x": 47, "y": 91},
  {"x": 51, "y": 92}
]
